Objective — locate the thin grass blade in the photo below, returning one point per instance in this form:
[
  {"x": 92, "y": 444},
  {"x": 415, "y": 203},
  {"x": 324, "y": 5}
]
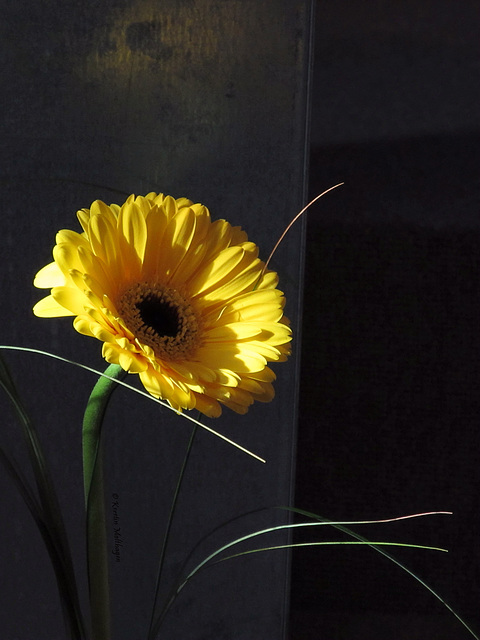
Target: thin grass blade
[
  {"x": 135, "y": 390},
  {"x": 46, "y": 513},
  {"x": 209, "y": 560}
]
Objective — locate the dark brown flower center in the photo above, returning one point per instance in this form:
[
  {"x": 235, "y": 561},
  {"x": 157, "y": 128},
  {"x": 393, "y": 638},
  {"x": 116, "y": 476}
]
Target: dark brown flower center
[{"x": 160, "y": 318}]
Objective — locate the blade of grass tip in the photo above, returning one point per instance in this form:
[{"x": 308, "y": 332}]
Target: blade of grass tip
[
  {"x": 48, "y": 499},
  {"x": 168, "y": 529},
  {"x": 416, "y": 577},
  {"x": 402, "y": 566},
  {"x": 290, "y": 224},
  {"x": 325, "y": 521},
  {"x": 97, "y": 555},
  {"x": 135, "y": 390},
  {"x": 324, "y": 543}
]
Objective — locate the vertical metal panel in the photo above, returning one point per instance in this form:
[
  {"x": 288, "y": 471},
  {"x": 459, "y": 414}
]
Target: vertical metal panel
[{"x": 197, "y": 98}]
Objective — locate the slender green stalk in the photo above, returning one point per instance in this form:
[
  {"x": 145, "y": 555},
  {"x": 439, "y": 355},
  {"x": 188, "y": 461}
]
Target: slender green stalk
[
  {"x": 213, "y": 559},
  {"x": 152, "y": 631},
  {"x": 329, "y": 543},
  {"x": 45, "y": 511},
  {"x": 208, "y": 559},
  {"x": 97, "y": 556}
]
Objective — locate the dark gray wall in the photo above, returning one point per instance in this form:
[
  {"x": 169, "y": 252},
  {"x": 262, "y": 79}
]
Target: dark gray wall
[{"x": 196, "y": 98}]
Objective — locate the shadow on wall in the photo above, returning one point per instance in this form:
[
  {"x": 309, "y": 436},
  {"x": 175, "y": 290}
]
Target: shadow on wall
[
  {"x": 431, "y": 182},
  {"x": 390, "y": 398}
]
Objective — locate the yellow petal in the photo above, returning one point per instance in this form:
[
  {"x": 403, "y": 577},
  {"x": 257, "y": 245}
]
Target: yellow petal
[
  {"x": 231, "y": 332},
  {"x": 125, "y": 360},
  {"x": 83, "y": 325},
  {"x": 49, "y": 308},
  {"x": 156, "y": 222},
  {"x": 208, "y": 406},
  {"x": 91, "y": 264},
  {"x": 219, "y": 238},
  {"x": 227, "y": 356},
  {"x": 232, "y": 287},
  {"x": 196, "y": 253},
  {"x": 238, "y": 235},
  {"x": 66, "y": 236},
  {"x": 66, "y": 257},
  {"x": 275, "y": 333},
  {"x": 50, "y": 276},
  {"x": 104, "y": 241},
  {"x": 268, "y": 351},
  {"x": 111, "y": 352},
  {"x": 217, "y": 270},
  {"x": 265, "y": 375},
  {"x": 157, "y": 384},
  {"x": 131, "y": 223},
  {"x": 71, "y": 299},
  {"x": 83, "y": 216},
  {"x": 170, "y": 206},
  {"x": 99, "y": 208},
  {"x": 177, "y": 238},
  {"x": 194, "y": 371},
  {"x": 144, "y": 205},
  {"x": 269, "y": 281},
  {"x": 228, "y": 378}
]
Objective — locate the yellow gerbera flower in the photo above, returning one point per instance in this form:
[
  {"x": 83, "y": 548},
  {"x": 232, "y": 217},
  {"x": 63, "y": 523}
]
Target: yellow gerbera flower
[{"x": 178, "y": 299}]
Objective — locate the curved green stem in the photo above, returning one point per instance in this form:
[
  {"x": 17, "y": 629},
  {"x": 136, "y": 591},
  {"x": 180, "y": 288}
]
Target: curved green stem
[{"x": 97, "y": 556}]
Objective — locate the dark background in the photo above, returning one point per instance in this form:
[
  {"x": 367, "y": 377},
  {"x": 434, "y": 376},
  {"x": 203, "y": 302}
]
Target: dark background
[
  {"x": 390, "y": 360},
  {"x": 389, "y": 400}
]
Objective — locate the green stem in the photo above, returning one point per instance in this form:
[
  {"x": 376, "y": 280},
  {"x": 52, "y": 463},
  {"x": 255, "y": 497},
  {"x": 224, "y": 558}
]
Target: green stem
[
  {"x": 152, "y": 632},
  {"x": 97, "y": 556}
]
